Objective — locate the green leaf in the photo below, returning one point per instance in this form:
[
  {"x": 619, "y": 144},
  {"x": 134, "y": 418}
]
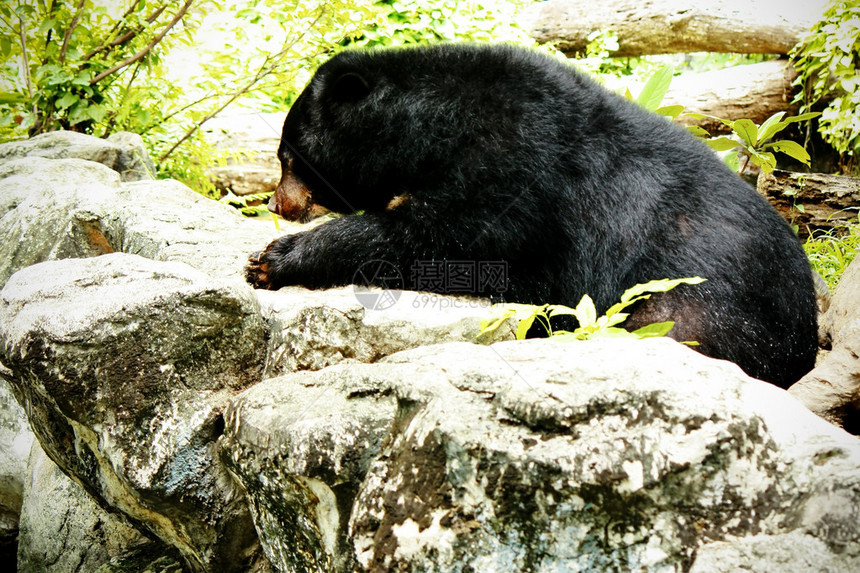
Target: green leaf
[
  {"x": 731, "y": 161},
  {"x": 722, "y": 143},
  {"x": 611, "y": 333},
  {"x": 771, "y": 126},
  {"x": 83, "y": 78},
  {"x": 67, "y": 100},
  {"x": 655, "y": 88},
  {"x": 766, "y": 161},
  {"x": 560, "y": 310},
  {"x": 585, "y": 312},
  {"x": 791, "y": 149},
  {"x": 654, "y": 330},
  {"x": 698, "y": 131},
  {"x": 97, "y": 113},
  {"x": 612, "y": 319},
  {"x": 567, "y": 336},
  {"x": 802, "y": 117},
  {"x": 616, "y": 308},
  {"x": 672, "y": 111},
  {"x": 7, "y": 97},
  {"x": 78, "y": 113},
  {"x": 660, "y": 285},
  {"x": 5, "y": 47},
  {"x": 487, "y": 326},
  {"x": 747, "y": 130},
  {"x": 524, "y": 325}
]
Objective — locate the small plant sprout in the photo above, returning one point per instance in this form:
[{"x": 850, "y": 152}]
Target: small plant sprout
[
  {"x": 590, "y": 325},
  {"x": 755, "y": 140}
]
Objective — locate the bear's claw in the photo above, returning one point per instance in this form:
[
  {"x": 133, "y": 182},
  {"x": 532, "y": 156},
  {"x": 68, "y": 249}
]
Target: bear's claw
[{"x": 257, "y": 272}]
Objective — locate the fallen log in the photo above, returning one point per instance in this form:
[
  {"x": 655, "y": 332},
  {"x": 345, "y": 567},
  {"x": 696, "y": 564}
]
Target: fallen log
[
  {"x": 754, "y": 91},
  {"x": 812, "y": 201},
  {"x": 666, "y": 26}
]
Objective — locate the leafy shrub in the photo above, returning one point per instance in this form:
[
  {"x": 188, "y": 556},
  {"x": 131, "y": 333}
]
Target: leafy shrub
[
  {"x": 405, "y": 22},
  {"x": 590, "y": 325},
  {"x": 754, "y": 142},
  {"x": 98, "y": 67},
  {"x": 827, "y": 61},
  {"x": 831, "y": 252}
]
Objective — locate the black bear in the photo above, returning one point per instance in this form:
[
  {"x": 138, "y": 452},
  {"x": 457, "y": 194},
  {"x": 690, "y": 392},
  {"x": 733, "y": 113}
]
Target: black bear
[{"x": 488, "y": 153}]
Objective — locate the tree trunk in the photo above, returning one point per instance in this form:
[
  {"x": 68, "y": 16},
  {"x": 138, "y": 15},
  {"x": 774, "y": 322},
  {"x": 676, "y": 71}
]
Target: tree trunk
[
  {"x": 667, "y": 26},
  {"x": 812, "y": 201}
]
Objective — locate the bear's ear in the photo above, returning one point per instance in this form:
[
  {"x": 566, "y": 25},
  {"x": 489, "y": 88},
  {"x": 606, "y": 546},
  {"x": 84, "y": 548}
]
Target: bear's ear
[{"x": 350, "y": 87}]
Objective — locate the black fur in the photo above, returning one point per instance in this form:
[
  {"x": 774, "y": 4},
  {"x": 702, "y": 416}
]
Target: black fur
[{"x": 507, "y": 154}]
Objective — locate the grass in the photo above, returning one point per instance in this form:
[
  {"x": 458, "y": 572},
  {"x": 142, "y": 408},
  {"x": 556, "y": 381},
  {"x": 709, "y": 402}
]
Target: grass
[{"x": 831, "y": 252}]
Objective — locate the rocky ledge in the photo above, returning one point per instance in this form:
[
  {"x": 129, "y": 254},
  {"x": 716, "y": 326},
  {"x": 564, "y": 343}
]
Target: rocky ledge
[{"x": 185, "y": 422}]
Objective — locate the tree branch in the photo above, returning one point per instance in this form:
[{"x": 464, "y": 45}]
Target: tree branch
[
  {"x": 25, "y": 61},
  {"x": 262, "y": 72},
  {"x": 128, "y": 35},
  {"x": 71, "y": 28},
  {"x": 5, "y": 21},
  {"x": 143, "y": 52},
  {"x": 178, "y": 111}
]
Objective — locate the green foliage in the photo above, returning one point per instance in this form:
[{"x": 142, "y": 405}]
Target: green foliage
[
  {"x": 831, "y": 252},
  {"x": 827, "y": 61},
  {"x": 159, "y": 68},
  {"x": 245, "y": 206},
  {"x": 755, "y": 141},
  {"x": 655, "y": 89},
  {"x": 405, "y": 22},
  {"x": 590, "y": 325},
  {"x": 598, "y": 60}
]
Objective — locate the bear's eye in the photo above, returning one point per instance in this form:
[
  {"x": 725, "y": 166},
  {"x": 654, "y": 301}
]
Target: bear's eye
[{"x": 350, "y": 87}]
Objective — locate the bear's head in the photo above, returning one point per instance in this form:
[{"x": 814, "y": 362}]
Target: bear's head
[{"x": 375, "y": 128}]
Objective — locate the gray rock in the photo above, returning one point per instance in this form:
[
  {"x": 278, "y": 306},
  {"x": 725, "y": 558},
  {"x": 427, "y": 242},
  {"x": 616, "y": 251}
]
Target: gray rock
[
  {"x": 832, "y": 388},
  {"x": 542, "y": 456},
  {"x": 58, "y": 209},
  {"x": 133, "y": 163},
  {"x": 122, "y": 152},
  {"x": 310, "y": 330},
  {"x": 63, "y": 529},
  {"x": 366, "y": 447},
  {"x": 300, "y": 449},
  {"x": 15, "y": 441},
  {"x": 124, "y": 365}
]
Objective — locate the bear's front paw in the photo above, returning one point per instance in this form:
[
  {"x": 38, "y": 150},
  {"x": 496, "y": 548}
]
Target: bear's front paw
[
  {"x": 257, "y": 271},
  {"x": 271, "y": 268}
]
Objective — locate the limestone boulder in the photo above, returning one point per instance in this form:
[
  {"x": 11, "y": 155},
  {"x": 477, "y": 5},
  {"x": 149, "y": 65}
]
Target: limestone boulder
[
  {"x": 65, "y": 208},
  {"x": 542, "y": 456},
  {"x": 832, "y": 388},
  {"x": 124, "y": 365},
  {"x": 64, "y": 530},
  {"x": 310, "y": 330},
  {"x": 122, "y": 152},
  {"x": 16, "y": 439}
]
